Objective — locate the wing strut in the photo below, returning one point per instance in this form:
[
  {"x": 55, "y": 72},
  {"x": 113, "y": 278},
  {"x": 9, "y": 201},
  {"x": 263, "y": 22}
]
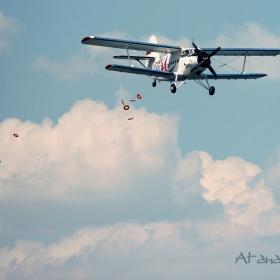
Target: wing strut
[
  {"x": 128, "y": 55},
  {"x": 176, "y": 78},
  {"x": 245, "y": 56},
  {"x": 183, "y": 82},
  {"x": 198, "y": 81}
]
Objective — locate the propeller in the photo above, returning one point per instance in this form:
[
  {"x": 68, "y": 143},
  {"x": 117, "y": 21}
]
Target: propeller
[{"x": 204, "y": 59}]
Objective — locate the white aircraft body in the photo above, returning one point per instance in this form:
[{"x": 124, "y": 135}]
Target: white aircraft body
[{"x": 178, "y": 64}]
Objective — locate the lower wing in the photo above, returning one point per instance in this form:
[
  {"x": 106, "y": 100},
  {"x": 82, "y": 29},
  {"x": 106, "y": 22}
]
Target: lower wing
[
  {"x": 140, "y": 71},
  {"x": 171, "y": 76},
  {"x": 230, "y": 76}
]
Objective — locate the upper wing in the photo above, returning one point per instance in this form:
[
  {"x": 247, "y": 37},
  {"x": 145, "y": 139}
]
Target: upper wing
[
  {"x": 135, "y": 57},
  {"x": 127, "y": 44},
  {"x": 230, "y": 76},
  {"x": 243, "y": 51},
  {"x": 139, "y": 70}
]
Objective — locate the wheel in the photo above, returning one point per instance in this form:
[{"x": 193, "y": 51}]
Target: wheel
[
  {"x": 173, "y": 88},
  {"x": 154, "y": 84},
  {"x": 211, "y": 90}
]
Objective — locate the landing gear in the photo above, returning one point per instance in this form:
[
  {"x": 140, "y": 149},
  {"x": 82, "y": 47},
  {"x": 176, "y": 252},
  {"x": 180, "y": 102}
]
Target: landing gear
[
  {"x": 173, "y": 88},
  {"x": 154, "y": 83},
  {"x": 211, "y": 90}
]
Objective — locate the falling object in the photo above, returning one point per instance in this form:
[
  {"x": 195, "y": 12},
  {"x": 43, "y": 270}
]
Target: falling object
[
  {"x": 15, "y": 135},
  {"x": 130, "y": 119},
  {"x": 125, "y": 107},
  {"x": 132, "y": 100},
  {"x": 139, "y": 96}
]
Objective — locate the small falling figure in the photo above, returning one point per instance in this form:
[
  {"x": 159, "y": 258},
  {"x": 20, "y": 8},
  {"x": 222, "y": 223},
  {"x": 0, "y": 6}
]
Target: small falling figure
[
  {"x": 125, "y": 107},
  {"x": 15, "y": 135}
]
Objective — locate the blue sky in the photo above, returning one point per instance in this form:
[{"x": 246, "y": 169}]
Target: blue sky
[{"x": 190, "y": 183}]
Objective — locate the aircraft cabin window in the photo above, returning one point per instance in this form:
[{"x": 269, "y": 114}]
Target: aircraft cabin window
[{"x": 186, "y": 53}]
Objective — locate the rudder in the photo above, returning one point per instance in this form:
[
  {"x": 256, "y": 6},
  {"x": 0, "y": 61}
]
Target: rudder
[{"x": 149, "y": 63}]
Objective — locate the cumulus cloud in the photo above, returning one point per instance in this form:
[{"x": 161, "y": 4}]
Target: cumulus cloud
[
  {"x": 8, "y": 28},
  {"x": 94, "y": 156},
  {"x": 90, "y": 247},
  {"x": 91, "y": 148},
  {"x": 126, "y": 251},
  {"x": 240, "y": 187}
]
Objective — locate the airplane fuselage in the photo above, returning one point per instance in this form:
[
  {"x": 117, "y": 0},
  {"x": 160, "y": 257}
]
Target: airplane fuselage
[{"x": 180, "y": 62}]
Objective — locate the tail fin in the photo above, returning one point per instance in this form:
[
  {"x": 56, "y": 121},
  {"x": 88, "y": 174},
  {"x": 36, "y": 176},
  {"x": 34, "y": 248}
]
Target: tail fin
[{"x": 149, "y": 63}]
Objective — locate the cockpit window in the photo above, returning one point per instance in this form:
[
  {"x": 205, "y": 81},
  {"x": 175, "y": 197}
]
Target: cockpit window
[
  {"x": 184, "y": 53},
  {"x": 187, "y": 53}
]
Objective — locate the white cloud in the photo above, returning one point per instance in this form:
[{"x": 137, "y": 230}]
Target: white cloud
[
  {"x": 225, "y": 179},
  {"x": 109, "y": 244},
  {"x": 90, "y": 149},
  {"x": 8, "y": 28},
  {"x": 126, "y": 251},
  {"x": 187, "y": 177},
  {"x": 95, "y": 156},
  {"x": 239, "y": 186},
  {"x": 230, "y": 181},
  {"x": 94, "y": 153}
]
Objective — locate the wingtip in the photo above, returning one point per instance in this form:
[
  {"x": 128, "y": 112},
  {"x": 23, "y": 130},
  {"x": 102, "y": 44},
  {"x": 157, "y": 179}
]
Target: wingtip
[
  {"x": 86, "y": 39},
  {"x": 108, "y": 66}
]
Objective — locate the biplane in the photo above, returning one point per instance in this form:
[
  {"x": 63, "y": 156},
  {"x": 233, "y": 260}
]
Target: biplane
[{"x": 177, "y": 64}]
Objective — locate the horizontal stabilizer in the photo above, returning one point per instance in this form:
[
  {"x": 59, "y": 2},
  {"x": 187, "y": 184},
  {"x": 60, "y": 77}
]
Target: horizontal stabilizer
[{"x": 135, "y": 57}]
